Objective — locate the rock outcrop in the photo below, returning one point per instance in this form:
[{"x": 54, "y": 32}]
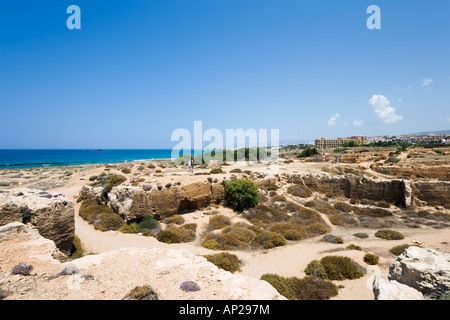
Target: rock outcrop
[
  {"x": 357, "y": 187},
  {"x": 433, "y": 193},
  {"x": 52, "y": 215},
  {"x": 425, "y": 270},
  {"x": 133, "y": 202},
  {"x": 393, "y": 290}
]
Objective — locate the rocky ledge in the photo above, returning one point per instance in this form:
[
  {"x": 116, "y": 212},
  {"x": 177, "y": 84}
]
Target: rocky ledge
[
  {"x": 53, "y": 215},
  {"x": 113, "y": 274}
]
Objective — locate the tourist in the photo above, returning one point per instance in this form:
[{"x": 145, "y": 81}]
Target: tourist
[{"x": 337, "y": 158}]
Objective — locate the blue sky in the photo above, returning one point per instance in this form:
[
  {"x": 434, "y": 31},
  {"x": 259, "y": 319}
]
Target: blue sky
[{"x": 138, "y": 70}]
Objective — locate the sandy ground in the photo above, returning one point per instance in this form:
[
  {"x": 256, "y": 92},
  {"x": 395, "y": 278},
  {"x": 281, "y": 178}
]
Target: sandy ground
[{"x": 289, "y": 260}]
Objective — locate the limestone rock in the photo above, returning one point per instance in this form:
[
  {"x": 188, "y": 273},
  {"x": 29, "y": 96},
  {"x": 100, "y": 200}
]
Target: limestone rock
[
  {"x": 426, "y": 270},
  {"x": 52, "y": 215},
  {"x": 111, "y": 275},
  {"x": 393, "y": 290},
  {"x": 134, "y": 202},
  {"x": 434, "y": 193}
]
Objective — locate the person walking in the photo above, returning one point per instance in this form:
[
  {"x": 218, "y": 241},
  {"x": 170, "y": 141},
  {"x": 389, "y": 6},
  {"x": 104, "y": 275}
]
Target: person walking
[{"x": 337, "y": 158}]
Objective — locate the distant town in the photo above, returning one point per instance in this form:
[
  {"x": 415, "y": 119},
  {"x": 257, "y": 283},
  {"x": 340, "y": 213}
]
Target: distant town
[{"x": 426, "y": 138}]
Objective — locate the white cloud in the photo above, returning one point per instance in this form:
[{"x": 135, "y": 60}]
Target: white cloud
[
  {"x": 333, "y": 119},
  {"x": 426, "y": 82},
  {"x": 358, "y": 123},
  {"x": 448, "y": 119},
  {"x": 383, "y": 109}
]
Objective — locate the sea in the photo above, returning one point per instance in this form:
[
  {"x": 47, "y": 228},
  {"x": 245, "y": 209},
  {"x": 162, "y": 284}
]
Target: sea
[{"x": 34, "y": 158}]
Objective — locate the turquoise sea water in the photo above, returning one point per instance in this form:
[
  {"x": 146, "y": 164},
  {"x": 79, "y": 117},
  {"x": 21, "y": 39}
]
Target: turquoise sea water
[{"x": 27, "y": 158}]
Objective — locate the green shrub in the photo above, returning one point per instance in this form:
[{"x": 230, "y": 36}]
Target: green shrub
[
  {"x": 281, "y": 284},
  {"x": 372, "y": 212},
  {"x": 308, "y": 288},
  {"x": 227, "y": 261},
  {"x": 217, "y": 171},
  {"x": 371, "y": 259},
  {"x": 341, "y": 268},
  {"x": 211, "y": 244},
  {"x": 315, "y": 229},
  {"x": 147, "y": 223},
  {"x": 89, "y": 211},
  {"x": 241, "y": 194},
  {"x": 398, "y": 250},
  {"x": 177, "y": 219},
  {"x": 342, "y": 206},
  {"x": 353, "y": 247},
  {"x": 101, "y": 216},
  {"x": 269, "y": 240},
  {"x": 218, "y": 222},
  {"x": 313, "y": 288},
  {"x": 389, "y": 235},
  {"x": 77, "y": 249},
  {"x": 168, "y": 236},
  {"x": 316, "y": 269},
  {"x": 142, "y": 293},
  {"x": 299, "y": 191},
  {"x": 289, "y": 231},
  {"x": 185, "y": 233},
  {"x": 361, "y": 235},
  {"x": 266, "y": 214},
  {"x": 126, "y": 171},
  {"x": 129, "y": 228},
  {"x": 108, "y": 221}
]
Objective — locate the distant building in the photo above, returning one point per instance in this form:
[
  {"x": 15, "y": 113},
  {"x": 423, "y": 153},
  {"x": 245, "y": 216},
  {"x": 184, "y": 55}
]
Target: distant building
[
  {"x": 338, "y": 143},
  {"x": 435, "y": 137}
]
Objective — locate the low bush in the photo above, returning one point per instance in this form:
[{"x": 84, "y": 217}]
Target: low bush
[
  {"x": 339, "y": 268},
  {"x": 177, "y": 219},
  {"x": 101, "y": 216},
  {"x": 145, "y": 292},
  {"x": 316, "y": 269},
  {"x": 361, "y": 235},
  {"x": 398, "y": 250},
  {"x": 108, "y": 221},
  {"x": 299, "y": 191},
  {"x": 266, "y": 214},
  {"x": 89, "y": 211},
  {"x": 189, "y": 286},
  {"x": 353, "y": 247},
  {"x": 168, "y": 236},
  {"x": 268, "y": 240},
  {"x": 227, "y": 261},
  {"x": 22, "y": 268},
  {"x": 331, "y": 238},
  {"x": 241, "y": 194},
  {"x": 211, "y": 244},
  {"x": 372, "y": 212},
  {"x": 281, "y": 284},
  {"x": 371, "y": 259},
  {"x": 218, "y": 221},
  {"x": 185, "y": 233},
  {"x": 308, "y": 288},
  {"x": 217, "y": 171},
  {"x": 289, "y": 231},
  {"x": 389, "y": 235},
  {"x": 77, "y": 249}
]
